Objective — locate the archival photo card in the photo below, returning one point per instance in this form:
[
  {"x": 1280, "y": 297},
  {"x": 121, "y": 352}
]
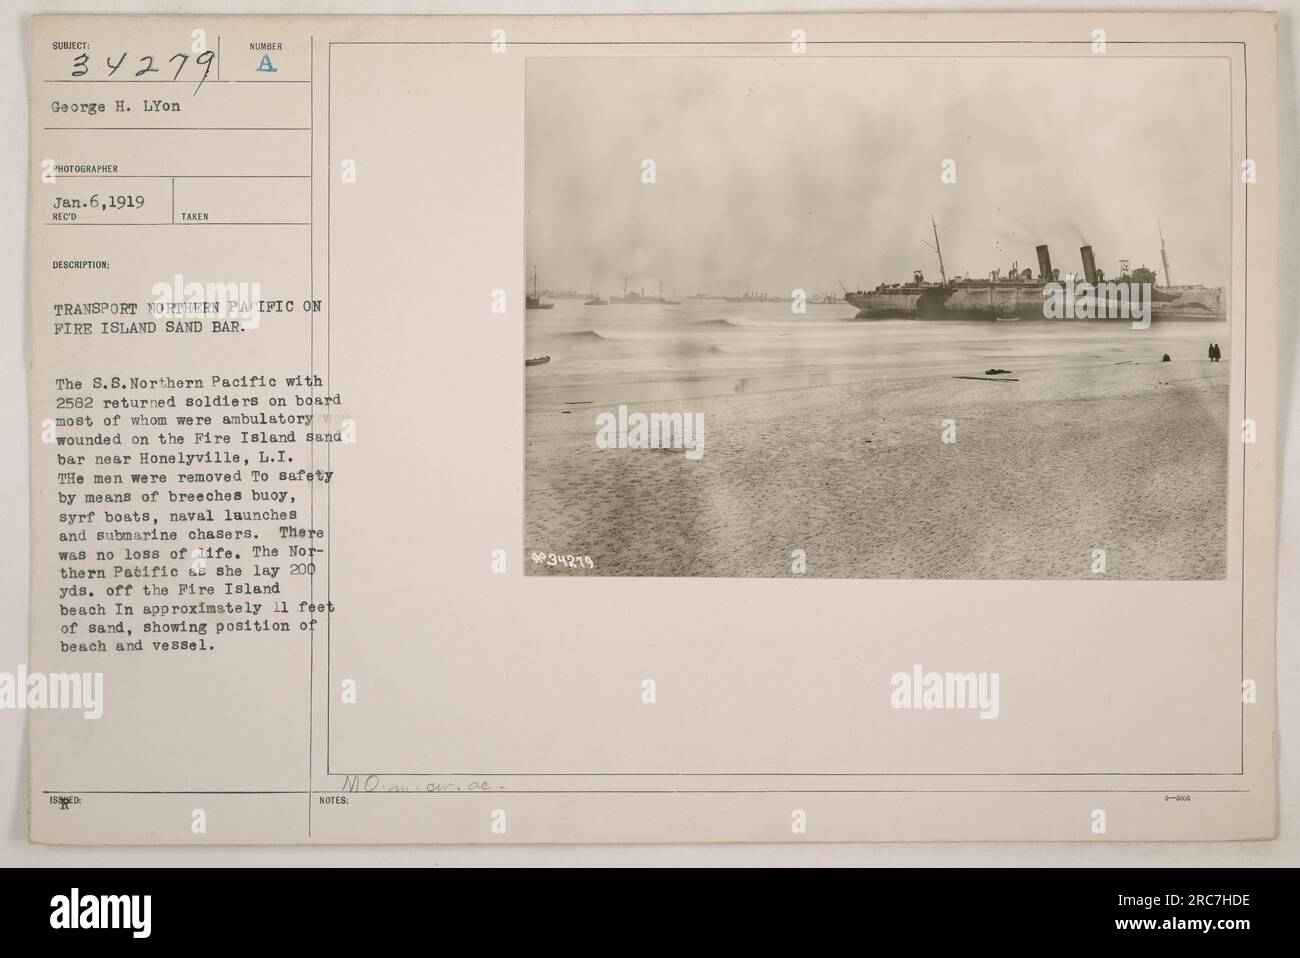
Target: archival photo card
[{"x": 352, "y": 337}]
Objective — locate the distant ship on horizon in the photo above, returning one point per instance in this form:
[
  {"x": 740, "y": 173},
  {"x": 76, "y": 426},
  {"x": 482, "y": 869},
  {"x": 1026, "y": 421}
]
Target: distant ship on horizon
[
  {"x": 752, "y": 297},
  {"x": 640, "y": 298}
]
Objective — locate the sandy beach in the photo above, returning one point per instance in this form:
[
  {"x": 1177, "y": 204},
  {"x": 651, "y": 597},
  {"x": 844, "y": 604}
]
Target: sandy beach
[{"x": 1127, "y": 457}]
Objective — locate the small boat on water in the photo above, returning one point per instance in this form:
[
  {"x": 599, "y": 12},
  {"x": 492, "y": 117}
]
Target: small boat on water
[
  {"x": 596, "y": 301},
  {"x": 536, "y": 360},
  {"x": 533, "y": 300}
]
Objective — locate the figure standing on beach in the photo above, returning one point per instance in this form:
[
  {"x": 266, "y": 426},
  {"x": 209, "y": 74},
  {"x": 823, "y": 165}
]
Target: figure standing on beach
[{"x": 1215, "y": 353}]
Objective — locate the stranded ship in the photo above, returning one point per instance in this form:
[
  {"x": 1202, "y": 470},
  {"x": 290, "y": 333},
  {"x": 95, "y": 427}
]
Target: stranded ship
[
  {"x": 1019, "y": 294},
  {"x": 640, "y": 298}
]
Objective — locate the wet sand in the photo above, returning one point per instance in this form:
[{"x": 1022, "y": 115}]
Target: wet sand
[{"x": 1130, "y": 457}]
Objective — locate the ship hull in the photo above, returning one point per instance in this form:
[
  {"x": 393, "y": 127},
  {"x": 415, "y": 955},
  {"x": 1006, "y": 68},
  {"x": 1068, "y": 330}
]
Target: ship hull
[
  {"x": 899, "y": 303},
  {"x": 991, "y": 301},
  {"x": 1198, "y": 300},
  {"x": 996, "y": 301}
]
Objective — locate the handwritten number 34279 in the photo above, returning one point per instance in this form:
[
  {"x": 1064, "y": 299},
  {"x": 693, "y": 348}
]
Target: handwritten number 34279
[{"x": 81, "y": 65}]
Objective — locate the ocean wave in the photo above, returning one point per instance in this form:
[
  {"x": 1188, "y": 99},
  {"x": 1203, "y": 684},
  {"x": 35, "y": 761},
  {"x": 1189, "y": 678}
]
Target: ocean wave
[{"x": 585, "y": 334}]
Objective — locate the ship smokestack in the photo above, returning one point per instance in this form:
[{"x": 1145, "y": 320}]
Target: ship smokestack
[
  {"x": 1089, "y": 265},
  {"x": 1044, "y": 264}
]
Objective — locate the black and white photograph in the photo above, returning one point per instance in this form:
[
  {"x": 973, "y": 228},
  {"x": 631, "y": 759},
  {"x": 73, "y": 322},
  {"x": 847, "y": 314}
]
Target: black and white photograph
[{"x": 878, "y": 317}]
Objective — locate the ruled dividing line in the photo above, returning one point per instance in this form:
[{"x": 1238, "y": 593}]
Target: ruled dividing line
[
  {"x": 658, "y": 791},
  {"x": 787, "y": 791},
  {"x": 184, "y": 176},
  {"x": 170, "y": 791},
  {"x": 191, "y": 223},
  {"x": 483, "y": 776},
  {"x": 185, "y": 129},
  {"x": 311, "y": 281},
  {"x": 191, "y": 82}
]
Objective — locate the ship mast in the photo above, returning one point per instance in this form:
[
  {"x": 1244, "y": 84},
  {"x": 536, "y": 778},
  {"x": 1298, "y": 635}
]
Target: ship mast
[
  {"x": 1164, "y": 255},
  {"x": 942, "y": 275}
]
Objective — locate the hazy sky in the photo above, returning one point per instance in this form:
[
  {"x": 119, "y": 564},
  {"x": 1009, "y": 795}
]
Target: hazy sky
[{"x": 787, "y": 172}]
